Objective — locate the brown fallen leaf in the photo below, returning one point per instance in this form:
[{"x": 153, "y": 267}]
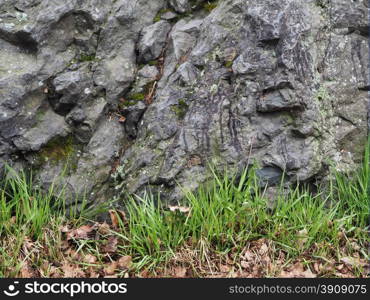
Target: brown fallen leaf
[
  {"x": 340, "y": 267},
  {"x": 179, "y": 272},
  {"x": 91, "y": 273},
  {"x": 104, "y": 228},
  {"x": 54, "y": 272},
  {"x": 352, "y": 261},
  {"x": 28, "y": 245},
  {"x": 114, "y": 218},
  {"x": 317, "y": 267},
  {"x": 244, "y": 264},
  {"x": 297, "y": 271},
  {"x": 26, "y": 271},
  {"x": 263, "y": 249},
  {"x": 64, "y": 245},
  {"x": 81, "y": 233},
  {"x": 125, "y": 262},
  {"x": 71, "y": 271},
  {"x": 122, "y": 215},
  {"x": 111, "y": 245},
  {"x": 90, "y": 259},
  {"x": 249, "y": 255},
  {"x": 225, "y": 268},
  {"x": 144, "y": 274},
  {"x": 111, "y": 268},
  {"x": 111, "y": 276},
  {"x": 308, "y": 274},
  {"x": 64, "y": 228}
]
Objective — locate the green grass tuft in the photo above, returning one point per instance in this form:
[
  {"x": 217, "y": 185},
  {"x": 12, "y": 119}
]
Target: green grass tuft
[
  {"x": 223, "y": 216},
  {"x": 229, "y": 213}
]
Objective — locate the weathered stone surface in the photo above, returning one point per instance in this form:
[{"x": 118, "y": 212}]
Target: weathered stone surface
[
  {"x": 180, "y": 6},
  {"x": 251, "y": 78},
  {"x": 153, "y": 41},
  {"x": 138, "y": 95},
  {"x": 49, "y": 126},
  {"x": 148, "y": 72}
]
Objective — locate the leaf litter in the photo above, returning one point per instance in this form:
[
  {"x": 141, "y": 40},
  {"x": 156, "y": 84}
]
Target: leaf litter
[{"x": 94, "y": 250}]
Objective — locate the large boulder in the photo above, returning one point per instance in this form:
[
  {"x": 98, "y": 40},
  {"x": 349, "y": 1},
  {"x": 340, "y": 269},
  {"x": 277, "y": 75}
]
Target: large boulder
[{"x": 115, "y": 97}]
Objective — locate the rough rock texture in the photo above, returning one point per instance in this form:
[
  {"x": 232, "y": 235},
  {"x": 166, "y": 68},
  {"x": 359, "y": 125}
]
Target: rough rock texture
[{"x": 124, "y": 96}]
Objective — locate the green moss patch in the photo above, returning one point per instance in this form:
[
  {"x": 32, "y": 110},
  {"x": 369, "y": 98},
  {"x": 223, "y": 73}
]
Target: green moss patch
[
  {"x": 209, "y": 6},
  {"x": 137, "y": 97},
  {"x": 58, "y": 149},
  {"x": 153, "y": 63},
  {"x": 180, "y": 109},
  {"x": 87, "y": 58},
  {"x": 229, "y": 64},
  {"x": 158, "y": 16}
]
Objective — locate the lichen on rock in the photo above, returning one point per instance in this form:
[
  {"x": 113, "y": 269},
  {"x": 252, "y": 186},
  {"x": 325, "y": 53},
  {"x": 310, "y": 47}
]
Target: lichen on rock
[{"x": 150, "y": 92}]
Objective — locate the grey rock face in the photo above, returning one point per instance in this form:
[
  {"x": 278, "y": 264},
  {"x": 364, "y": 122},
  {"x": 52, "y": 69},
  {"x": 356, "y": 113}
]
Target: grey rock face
[
  {"x": 180, "y": 6},
  {"x": 50, "y": 125},
  {"x": 135, "y": 95},
  {"x": 248, "y": 82},
  {"x": 153, "y": 41}
]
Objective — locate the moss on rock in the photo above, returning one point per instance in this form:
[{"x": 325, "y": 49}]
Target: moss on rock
[
  {"x": 58, "y": 149},
  {"x": 180, "y": 109}
]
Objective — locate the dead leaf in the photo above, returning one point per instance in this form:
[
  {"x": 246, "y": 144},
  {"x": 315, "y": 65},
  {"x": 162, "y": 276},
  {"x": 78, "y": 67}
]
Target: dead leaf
[
  {"x": 104, "y": 228},
  {"x": 54, "y": 272},
  {"x": 71, "y": 271},
  {"x": 180, "y": 272},
  {"x": 81, "y": 233},
  {"x": 317, "y": 267},
  {"x": 352, "y": 261},
  {"x": 125, "y": 262},
  {"x": 245, "y": 264},
  {"x": 340, "y": 267},
  {"x": 28, "y": 245},
  {"x": 308, "y": 274},
  {"x": 26, "y": 271},
  {"x": 111, "y": 268},
  {"x": 182, "y": 209},
  {"x": 64, "y": 228},
  {"x": 111, "y": 245},
  {"x": 249, "y": 256},
  {"x": 144, "y": 274},
  {"x": 122, "y": 215},
  {"x": 90, "y": 259},
  {"x": 92, "y": 273},
  {"x": 114, "y": 218},
  {"x": 225, "y": 268},
  {"x": 263, "y": 250},
  {"x": 297, "y": 271},
  {"x": 64, "y": 245}
]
